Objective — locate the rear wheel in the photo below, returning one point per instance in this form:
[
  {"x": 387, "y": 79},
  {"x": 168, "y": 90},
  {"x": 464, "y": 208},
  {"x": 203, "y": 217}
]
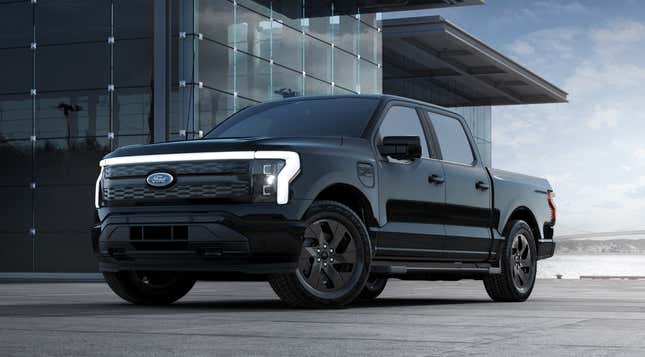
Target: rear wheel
[
  {"x": 373, "y": 288},
  {"x": 149, "y": 287},
  {"x": 518, "y": 264},
  {"x": 334, "y": 262}
]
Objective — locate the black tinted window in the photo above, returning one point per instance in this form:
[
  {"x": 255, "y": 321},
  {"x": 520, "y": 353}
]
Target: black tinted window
[
  {"x": 403, "y": 121},
  {"x": 453, "y": 141},
  {"x": 309, "y": 117}
]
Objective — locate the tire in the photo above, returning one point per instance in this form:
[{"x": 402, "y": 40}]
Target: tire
[
  {"x": 149, "y": 288},
  {"x": 518, "y": 266},
  {"x": 334, "y": 263},
  {"x": 373, "y": 288}
]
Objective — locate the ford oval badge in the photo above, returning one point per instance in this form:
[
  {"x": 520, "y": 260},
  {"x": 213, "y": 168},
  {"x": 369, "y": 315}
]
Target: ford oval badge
[{"x": 160, "y": 179}]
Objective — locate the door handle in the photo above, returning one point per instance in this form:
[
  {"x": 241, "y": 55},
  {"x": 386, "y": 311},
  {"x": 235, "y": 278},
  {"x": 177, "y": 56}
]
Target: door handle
[
  {"x": 481, "y": 185},
  {"x": 436, "y": 179}
]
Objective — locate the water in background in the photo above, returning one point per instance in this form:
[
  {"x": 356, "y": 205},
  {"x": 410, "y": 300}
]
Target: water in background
[{"x": 572, "y": 266}]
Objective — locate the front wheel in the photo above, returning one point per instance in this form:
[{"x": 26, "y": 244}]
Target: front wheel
[
  {"x": 149, "y": 287},
  {"x": 518, "y": 264},
  {"x": 334, "y": 262}
]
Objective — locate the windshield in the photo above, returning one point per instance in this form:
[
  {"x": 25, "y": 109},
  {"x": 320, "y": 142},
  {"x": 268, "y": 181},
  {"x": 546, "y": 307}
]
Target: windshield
[{"x": 343, "y": 116}]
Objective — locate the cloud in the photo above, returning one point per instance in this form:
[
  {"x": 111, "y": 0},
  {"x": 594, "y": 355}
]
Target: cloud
[
  {"x": 562, "y": 7},
  {"x": 604, "y": 118},
  {"x": 590, "y": 149}
]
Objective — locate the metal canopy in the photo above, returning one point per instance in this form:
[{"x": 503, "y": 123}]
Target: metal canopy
[
  {"x": 295, "y": 9},
  {"x": 430, "y": 59}
]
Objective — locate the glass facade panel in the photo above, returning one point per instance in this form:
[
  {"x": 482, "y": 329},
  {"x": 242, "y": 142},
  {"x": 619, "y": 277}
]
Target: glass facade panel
[
  {"x": 344, "y": 30},
  {"x": 368, "y": 38},
  {"x": 253, "y": 77},
  {"x": 16, "y": 25},
  {"x": 17, "y": 216},
  {"x": 78, "y": 202},
  {"x": 316, "y": 87},
  {"x": 253, "y": 33},
  {"x": 318, "y": 58},
  {"x": 133, "y": 112},
  {"x": 287, "y": 46},
  {"x": 72, "y": 114},
  {"x": 319, "y": 27},
  {"x": 68, "y": 161},
  {"x": 52, "y": 252},
  {"x": 73, "y": 66},
  {"x": 217, "y": 66},
  {"x": 16, "y": 256},
  {"x": 16, "y": 72},
  {"x": 66, "y": 21},
  {"x": 132, "y": 18},
  {"x": 16, "y": 113},
  {"x": 286, "y": 83},
  {"x": 214, "y": 107},
  {"x": 345, "y": 70},
  {"x": 369, "y": 74},
  {"x": 215, "y": 21},
  {"x": 131, "y": 63},
  {"x": 15, "y": 158}
]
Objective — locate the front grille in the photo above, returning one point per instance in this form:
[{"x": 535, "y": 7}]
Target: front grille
[
  {"x": 188, "y": 191},
  {"x": 212, "y": 181},
  {"x": 179, "y": 168}
]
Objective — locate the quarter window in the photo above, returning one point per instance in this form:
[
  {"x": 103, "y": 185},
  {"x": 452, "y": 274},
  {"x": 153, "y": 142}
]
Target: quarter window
[
  {"x": 403, "y": 121},
  {"x": 453, "y": 141}
]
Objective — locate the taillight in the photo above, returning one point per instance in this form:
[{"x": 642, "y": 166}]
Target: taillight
[{"x": 549, "y": 197}]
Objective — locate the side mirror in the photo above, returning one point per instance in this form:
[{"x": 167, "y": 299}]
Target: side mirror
[{"x": 401, "y": 147}]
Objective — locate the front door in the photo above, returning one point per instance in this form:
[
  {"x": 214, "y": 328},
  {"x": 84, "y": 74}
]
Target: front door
[
  {"x": 412, "y": 193},
  {"x": 468, "y": 210}
]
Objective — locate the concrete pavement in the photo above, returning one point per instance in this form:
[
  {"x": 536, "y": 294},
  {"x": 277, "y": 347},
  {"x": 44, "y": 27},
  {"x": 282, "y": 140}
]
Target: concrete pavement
[{"x": 563, "y": 317}]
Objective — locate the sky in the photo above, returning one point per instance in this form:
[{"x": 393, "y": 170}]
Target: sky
[{"x": 591, "y": 149}]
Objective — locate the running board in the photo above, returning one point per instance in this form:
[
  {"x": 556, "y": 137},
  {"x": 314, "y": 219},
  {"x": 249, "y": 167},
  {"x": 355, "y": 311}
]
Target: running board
[{"x": 399, "y": 267}]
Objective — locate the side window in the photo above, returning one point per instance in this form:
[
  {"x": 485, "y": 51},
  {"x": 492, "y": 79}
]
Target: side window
[
  {"x": 453, "y": 141},
  {"x": 403, "y": 121}
]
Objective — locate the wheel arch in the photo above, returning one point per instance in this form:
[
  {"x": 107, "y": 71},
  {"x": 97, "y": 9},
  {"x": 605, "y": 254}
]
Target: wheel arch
[
  {"x": 524, "y": 213},
  {"x": 351, "y": 197}
]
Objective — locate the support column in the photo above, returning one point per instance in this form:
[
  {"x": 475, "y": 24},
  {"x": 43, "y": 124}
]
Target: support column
[{"x": 162, "y": 65}]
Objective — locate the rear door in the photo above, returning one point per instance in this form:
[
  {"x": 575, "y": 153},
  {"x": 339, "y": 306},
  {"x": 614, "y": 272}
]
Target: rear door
[
  {"x": 468, "y": 210},
  {"x": 409, "y": 201}
]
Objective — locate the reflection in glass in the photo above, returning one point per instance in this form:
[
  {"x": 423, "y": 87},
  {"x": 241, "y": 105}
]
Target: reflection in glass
[
  {"x": 216, "y": 20},
  {"x": 216, "y": 66},
  {"x": 316, "y": 87},
  {"x": 287, "y": 46},
  {"x": 369, "y": 77},
  {"x": 253, "y": 33},
  {"x": 253, "y": 77},
  {"x": 133, "y": 112},
  {"x": 214, "y": 107},
  {"x": 72, "y": 114},
  {"x": 286, "y": 83},
  {"x": 344, "y": 32}
]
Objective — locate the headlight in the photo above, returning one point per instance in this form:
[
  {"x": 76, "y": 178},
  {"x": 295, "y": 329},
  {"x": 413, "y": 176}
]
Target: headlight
[{"x": 265, "y": 179}]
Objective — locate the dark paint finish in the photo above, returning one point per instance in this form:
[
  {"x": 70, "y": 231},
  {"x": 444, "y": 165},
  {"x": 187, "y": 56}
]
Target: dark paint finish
[{"x": 423, "y": 210}]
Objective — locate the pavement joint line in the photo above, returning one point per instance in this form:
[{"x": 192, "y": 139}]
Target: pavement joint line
[{"x": 108, "y": 332}]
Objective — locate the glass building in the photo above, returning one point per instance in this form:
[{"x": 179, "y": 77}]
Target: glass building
[{"x": 79, "y": 78}]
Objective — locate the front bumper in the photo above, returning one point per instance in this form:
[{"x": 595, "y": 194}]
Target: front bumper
[{"x": 206, "y": 239}]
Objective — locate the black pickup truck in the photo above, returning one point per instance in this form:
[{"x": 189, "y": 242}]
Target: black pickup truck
[{"x": 324, "y": 197}]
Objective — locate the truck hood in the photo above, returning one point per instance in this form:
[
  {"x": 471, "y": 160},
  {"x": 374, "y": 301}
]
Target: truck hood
[{"x": 232, "y": 144}]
